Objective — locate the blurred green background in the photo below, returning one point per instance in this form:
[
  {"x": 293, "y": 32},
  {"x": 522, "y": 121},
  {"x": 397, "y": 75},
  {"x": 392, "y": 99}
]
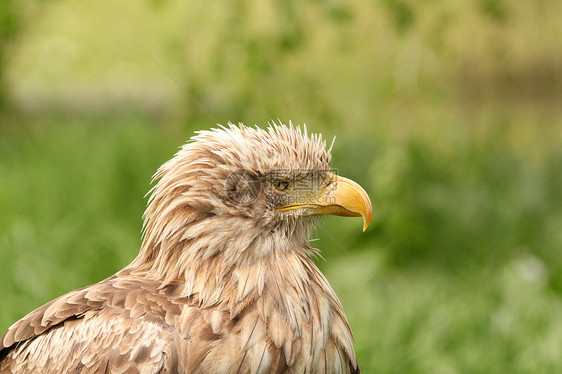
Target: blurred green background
[{"x": 448, "y": 113}]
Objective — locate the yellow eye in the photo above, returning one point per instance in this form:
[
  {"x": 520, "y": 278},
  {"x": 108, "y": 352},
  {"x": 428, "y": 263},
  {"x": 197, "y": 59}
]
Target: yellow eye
[{"x": 280, "y": 185}]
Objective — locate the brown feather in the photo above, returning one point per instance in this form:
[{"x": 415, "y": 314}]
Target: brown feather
[{"x": 218, "y": 286}]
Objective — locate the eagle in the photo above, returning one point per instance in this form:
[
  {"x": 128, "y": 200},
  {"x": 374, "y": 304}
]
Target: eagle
[{"x": 224, "y": 281}]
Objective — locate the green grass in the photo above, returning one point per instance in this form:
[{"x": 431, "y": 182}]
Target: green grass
[{"x": 458, "y": 273}]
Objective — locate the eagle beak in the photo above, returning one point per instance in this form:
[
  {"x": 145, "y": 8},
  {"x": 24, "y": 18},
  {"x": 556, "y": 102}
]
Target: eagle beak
[
  {"x": 348, "y": 199},
  {"x": 342, "y": 197}
]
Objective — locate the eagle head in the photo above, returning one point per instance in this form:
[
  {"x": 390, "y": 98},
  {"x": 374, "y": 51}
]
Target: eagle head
[{"x": 238, "y": 186}]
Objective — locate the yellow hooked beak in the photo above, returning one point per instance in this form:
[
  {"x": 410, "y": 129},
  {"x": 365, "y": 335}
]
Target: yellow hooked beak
[{"x": 342, "y": 197}]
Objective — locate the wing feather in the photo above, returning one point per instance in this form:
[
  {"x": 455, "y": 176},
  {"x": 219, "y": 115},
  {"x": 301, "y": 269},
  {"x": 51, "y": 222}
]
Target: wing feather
[{"x": 78, "y": 332}]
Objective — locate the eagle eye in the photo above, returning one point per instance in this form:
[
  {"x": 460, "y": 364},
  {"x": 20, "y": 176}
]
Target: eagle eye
[{"x": 280, "y": 185}]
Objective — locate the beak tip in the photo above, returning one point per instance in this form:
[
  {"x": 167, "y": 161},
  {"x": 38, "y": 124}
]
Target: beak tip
[
  {"x": 368, "y": 214},
  {"x": 366, "y": 222}
]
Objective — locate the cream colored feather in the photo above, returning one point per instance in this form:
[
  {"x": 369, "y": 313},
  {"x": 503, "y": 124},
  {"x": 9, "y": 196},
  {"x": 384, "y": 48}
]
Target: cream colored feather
[{"x": 219, "y": 286}]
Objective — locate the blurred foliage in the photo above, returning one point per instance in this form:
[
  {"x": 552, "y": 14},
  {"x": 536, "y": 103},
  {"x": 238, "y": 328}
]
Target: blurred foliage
[
  {"x": 8, "y": 27},
  {"x": 448, "y": 113}
]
